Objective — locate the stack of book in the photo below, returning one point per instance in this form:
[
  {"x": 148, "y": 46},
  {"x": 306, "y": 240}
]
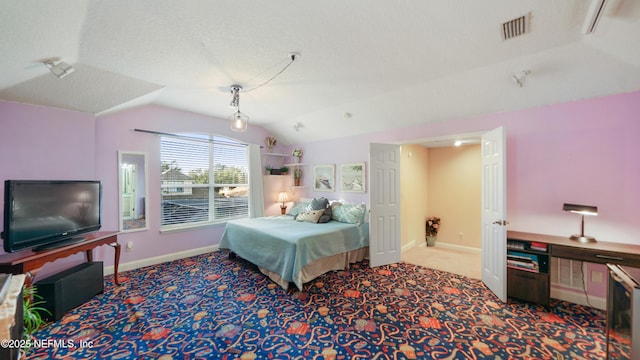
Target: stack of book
[
  {"x": 538, "y": 246},
  {"x": 522, "y": 261},
  {"x": 515, "y": 244}
]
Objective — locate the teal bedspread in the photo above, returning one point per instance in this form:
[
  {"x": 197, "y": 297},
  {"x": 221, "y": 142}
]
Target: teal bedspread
[{"x": 284, "y": 246}]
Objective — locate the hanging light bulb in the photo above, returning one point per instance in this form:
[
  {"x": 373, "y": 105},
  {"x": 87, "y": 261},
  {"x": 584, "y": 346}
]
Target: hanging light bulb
[{"x": 238, "y": 120}]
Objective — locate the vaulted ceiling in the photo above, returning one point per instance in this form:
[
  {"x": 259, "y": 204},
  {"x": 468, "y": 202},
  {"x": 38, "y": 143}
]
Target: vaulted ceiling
[{"x": 364, "y": 65}]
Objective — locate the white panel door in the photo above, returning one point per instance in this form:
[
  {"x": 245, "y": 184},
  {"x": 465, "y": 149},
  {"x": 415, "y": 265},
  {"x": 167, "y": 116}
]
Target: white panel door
[
  {"x": 384, "y": 202},
  {"x": 494, "y": 209}
]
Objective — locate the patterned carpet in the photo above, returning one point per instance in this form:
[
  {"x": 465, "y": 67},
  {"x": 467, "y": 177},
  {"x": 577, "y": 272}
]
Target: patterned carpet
[{"x": 210, "y": 307}]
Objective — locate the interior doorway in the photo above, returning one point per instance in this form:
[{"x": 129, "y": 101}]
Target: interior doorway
[
  {"x": 443, "y": 180},
  {"x": 493, "y": 208}
]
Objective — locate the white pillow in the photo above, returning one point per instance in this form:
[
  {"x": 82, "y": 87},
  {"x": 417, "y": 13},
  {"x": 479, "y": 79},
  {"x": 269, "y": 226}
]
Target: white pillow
[{"x": 311, "y": 216}]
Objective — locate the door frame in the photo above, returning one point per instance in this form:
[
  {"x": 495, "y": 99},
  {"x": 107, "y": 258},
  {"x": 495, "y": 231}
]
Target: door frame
[{"x": 467, "y": 138}]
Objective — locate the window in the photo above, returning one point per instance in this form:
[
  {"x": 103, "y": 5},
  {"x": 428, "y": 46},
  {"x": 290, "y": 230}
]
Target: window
[{"x": 190, "y": 196}]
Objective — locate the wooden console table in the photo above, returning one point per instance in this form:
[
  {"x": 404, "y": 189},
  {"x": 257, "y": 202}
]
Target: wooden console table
[
  {"x": 536, "y": 287},
  {"x": 30, "y": 262}
]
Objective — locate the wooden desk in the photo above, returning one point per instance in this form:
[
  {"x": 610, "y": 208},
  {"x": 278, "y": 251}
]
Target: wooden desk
[
  {"x": 537, "y": 287},
  {"x": 600, "y": 252},
  {"x": 30, "y": 262}
]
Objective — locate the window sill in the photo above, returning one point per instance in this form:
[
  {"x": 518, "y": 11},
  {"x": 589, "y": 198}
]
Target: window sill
[{"x": 176, "y": 228}]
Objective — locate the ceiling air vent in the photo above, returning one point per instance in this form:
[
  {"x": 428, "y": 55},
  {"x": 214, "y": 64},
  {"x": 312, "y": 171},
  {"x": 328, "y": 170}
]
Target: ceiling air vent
[{"x": 515, "y": 27}]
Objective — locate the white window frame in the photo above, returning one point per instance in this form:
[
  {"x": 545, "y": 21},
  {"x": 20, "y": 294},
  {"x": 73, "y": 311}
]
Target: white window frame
[{"x": 216, "y": 145}]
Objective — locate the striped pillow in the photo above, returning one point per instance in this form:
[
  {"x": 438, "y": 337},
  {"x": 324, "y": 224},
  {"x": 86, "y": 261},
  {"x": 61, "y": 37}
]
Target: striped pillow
[
  {"x": 299, "y": 207},
  {"x": 348, "y": 213}
]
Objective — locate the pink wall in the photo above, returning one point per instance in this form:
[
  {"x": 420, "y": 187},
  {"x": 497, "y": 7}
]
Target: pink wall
[
  {"x": 115, "y": 132},
  {"x": 44, "y": 143},
  {"x": 581, "y": 152},
  {"x": 38, "y": 143}
]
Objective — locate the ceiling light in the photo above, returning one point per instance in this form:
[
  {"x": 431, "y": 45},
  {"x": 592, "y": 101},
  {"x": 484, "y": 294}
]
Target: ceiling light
[
  {"x": 520, "y": 77},
  {"x": 457, "y": 143},
  {"x": 58, "y": 68},
  {"x": 238, "y": 120}
]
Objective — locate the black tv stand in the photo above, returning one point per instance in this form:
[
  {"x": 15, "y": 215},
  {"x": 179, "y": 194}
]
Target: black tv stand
[{"x": 61, "y": 243}]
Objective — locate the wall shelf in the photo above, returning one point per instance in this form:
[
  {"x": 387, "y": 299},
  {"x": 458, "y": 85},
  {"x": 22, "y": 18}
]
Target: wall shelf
[{"x": 277, "y": 163}]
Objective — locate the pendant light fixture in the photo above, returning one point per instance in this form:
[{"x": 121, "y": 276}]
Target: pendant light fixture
[{"x": 238, "y": 120}]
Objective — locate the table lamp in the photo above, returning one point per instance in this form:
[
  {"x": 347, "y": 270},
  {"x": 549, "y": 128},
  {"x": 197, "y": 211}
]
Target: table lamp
[
  {"x": 283, "y": 198},
  {"x": 582, "y": 210}
]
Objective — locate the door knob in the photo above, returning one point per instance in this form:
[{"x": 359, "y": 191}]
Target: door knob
[{"x": 501, "y": 222}]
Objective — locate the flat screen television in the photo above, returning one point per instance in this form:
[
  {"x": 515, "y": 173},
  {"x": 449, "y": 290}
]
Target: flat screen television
[{"x": 46, "y": 214}]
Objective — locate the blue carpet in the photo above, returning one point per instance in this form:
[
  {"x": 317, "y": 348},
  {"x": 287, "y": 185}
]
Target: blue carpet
[{"x": 211, "y": 307}]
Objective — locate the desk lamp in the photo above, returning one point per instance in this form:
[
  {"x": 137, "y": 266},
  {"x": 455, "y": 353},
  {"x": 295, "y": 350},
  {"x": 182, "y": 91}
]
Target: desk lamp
[
  {"x": 582, "y": 210},
  {"x": 283, "y": 198}
]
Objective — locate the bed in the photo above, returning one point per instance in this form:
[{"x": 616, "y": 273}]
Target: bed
[{"x": 290, "y": 251}]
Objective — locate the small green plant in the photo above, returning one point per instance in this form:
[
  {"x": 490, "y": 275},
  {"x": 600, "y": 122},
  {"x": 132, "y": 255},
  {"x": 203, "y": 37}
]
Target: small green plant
[
  {"x": 32, "y": 311},
  {"x": 284, "y": 170}
]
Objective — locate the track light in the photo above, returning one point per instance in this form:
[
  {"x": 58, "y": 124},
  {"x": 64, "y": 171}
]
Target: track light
[
  {"x": 58, "y": 68},
  {"x": 520, "y": 77},
  {"x": 238, "y": 120}
]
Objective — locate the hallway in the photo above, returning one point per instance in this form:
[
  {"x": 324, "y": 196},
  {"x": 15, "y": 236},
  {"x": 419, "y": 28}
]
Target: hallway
[{"x": 467, "y": 263}]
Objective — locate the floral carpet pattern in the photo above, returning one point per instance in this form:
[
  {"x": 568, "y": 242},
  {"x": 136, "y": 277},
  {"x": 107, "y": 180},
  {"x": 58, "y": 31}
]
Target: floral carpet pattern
[{"x": 212, "y": 307}]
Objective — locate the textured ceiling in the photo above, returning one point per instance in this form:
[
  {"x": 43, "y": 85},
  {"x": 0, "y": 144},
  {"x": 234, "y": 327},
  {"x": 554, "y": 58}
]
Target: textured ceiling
[{"x": 388, "y": 64}]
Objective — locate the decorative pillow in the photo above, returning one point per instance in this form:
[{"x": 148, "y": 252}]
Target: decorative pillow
[
  {"x": 298, "y": 207},
  {"x": 311, "y": 216},
  {"x": 322, "y": 204},
  {"x": 326, "y": 215},
  {"x": 319, "y": 204},
  {"x": 348, "y": 213}
]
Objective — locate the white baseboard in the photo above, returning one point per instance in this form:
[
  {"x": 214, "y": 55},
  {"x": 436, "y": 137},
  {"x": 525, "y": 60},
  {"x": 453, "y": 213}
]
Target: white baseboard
[
  {"x": 578, "y": 298},
  {"x": 414, "y": 243},
  {"x": 459, "y": 247},
  {"x": 408, "y": 246},
  {"x": 108, "y": 270}
]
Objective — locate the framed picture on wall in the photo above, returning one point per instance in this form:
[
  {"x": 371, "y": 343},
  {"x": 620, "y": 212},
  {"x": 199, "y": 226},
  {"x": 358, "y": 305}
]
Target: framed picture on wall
[
  {"x": 352, "y": 177},
  {"x": 324, "y": 177}
]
